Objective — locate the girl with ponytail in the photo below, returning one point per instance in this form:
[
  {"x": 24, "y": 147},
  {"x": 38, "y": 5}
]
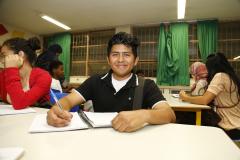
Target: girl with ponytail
[{"x": 21, "y": 84}]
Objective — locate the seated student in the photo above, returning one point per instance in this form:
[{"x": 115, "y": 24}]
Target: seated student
[
  {"x": 199, "y": 74},
  {"x": 21, "y": 84},
  {"x": 52, "y": 54},
  {"x": 114, "y": 91},
  {"x": 57, "y": 72},
  {"x": 224, "y": 90}
]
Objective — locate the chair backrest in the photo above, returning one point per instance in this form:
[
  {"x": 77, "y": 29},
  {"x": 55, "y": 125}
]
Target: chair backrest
[{"x": 59, "y": 96}]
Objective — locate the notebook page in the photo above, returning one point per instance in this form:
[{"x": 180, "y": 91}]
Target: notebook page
[
  {"x": 101, "y": 119},
  {"x": 39, "y": 124}
]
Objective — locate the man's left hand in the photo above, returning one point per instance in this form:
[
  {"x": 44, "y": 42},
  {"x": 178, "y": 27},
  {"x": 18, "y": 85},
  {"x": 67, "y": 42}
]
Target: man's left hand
[{"x": 129, "y": 121}]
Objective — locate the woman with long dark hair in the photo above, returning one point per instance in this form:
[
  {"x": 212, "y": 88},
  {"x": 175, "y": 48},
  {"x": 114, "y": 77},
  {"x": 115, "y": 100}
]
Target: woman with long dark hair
[
  {"x": 21, "y": 84},
  {"x": 223, "y": 90}
]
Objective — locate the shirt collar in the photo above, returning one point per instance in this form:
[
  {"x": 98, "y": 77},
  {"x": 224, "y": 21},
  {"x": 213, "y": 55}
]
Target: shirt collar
[{"x": 107, "y": 78}]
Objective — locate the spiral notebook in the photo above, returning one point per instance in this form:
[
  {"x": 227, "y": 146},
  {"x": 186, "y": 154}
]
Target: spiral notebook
[{"x": 84, "y": 120}]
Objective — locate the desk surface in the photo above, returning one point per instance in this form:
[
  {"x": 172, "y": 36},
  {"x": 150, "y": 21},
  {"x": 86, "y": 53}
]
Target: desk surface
[
  {"x": 177, "y": 103},
  {"x": 178, "y": 88},
  {"x": 165, "y": 142}
]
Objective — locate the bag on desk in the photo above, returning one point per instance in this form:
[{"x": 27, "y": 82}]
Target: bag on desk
[{"x": 210, "y": 118}]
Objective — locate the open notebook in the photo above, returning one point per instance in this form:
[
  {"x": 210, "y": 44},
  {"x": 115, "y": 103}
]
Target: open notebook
[
  {"x": 98, "y": 119},
  {"x": 6, "y": 109},
  {"x": 79, "y": 121},
  {"x": 11, "y": 153}
]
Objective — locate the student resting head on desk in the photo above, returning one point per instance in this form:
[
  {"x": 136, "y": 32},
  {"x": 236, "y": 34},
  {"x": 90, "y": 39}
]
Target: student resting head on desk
[
  {"x": 21, "y": 84},
  {"x": 114, "y": 91},
  {"x": 224, "y": 91}
]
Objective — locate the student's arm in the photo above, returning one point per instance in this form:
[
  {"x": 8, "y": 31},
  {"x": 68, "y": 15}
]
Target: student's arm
[
  {"x": 160, "y": 113},
  {"x": 216, "y": 86},
  {"x": 129, "y": 121},
  {"x": 21, "y": 99},
  {"x": 59, "y": 118},
  {"x": 205, "y": 99}
]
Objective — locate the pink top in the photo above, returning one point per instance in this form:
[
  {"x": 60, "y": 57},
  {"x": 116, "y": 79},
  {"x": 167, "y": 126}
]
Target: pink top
[{"x": 227, "y": 101}]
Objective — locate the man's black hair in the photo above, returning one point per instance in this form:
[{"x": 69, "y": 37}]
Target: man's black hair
[{"x": 125, "y": 39}]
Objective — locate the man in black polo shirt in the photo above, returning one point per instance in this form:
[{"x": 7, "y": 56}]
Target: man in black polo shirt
[{"x": 114, "y": 92}]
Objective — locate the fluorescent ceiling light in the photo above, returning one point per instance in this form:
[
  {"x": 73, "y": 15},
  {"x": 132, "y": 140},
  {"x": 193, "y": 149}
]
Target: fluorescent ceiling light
[
  {"x": 181, "y": 8},
  {"x": 235, "y": 58},
  {"x": 49, "y": 19}
]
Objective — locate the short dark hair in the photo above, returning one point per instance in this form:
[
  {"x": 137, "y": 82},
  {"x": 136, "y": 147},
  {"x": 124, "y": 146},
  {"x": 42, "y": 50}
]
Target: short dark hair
[
  {"x": 29, "y": 47},
  {"x": 125, "y": 39},
  {"x": 55, "y": 48},
  {"x": 54, "y": 65}
]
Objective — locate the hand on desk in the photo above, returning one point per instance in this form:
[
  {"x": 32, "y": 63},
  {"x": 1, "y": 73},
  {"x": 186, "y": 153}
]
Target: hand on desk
[
  {"x": 129, "y": 121},
  {"x": 58, "y": 118},
  {"x": 182, "y": 95}
]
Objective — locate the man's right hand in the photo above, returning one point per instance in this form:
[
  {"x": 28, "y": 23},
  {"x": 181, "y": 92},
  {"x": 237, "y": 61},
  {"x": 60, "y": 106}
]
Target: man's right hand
[{"x": 58, "y": 118}]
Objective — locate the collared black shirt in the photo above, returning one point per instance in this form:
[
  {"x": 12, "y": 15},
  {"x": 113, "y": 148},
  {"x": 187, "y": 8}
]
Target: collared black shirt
[{"x": 100, "y": 90}]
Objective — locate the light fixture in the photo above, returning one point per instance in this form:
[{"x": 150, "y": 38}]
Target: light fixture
[
  {"x": 181, "y": 9},
  {"x": 235, "y": 58},
  {"x": 49, "y": 19}
]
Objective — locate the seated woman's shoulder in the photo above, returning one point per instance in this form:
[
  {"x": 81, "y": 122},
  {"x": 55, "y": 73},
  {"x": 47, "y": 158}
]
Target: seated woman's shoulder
[
  {"x": 221, "y": 75},
  {"x": 39, "y": 71}
]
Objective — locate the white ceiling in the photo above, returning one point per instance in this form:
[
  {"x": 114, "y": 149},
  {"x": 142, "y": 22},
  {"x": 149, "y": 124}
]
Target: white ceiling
[{"x": 92, "y": 14}]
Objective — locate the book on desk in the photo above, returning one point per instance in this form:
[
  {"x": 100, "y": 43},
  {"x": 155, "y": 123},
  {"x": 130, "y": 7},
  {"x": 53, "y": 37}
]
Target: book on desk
[
  {"x": 83, "y": 120},
  {"x": 6, "y": 109}
]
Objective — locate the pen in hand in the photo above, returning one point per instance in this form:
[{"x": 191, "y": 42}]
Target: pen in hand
[{"x": 55, "y": 99}]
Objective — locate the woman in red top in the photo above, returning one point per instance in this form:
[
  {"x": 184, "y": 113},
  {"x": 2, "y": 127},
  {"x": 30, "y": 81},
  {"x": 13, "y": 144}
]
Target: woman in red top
[{"x": 20, "y": 84}]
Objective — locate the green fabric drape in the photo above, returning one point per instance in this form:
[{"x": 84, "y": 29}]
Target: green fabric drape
[
  {"x": 64, "y": 40},
  {"x": 179, "y": 33},
  {"x": 207, "y": 37},
  {"x": 173, "y": 57},
  {"x": 162, "y": 77}
]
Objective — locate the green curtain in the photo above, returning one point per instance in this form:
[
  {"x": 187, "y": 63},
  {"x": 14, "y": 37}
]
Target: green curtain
[
  {"x": 207, "y": 37},
  {"x": 64, "y": 40},
  {"x": 179, "y": 39},
  {"x": 173, "y": 57},
  {"x": 162, "y": 77}
]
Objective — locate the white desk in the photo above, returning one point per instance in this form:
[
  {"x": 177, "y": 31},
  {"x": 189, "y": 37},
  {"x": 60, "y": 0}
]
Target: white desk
[
  {"x": 163, "y": 142},
  {"x": 179, "y": 105}
]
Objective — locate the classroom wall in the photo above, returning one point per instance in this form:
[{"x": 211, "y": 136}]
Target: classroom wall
[
  {"x": 16, "y": 32},
  {"x": 125, "y": 28}
]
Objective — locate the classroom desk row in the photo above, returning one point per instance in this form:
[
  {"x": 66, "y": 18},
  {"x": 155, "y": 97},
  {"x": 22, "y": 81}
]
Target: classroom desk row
[
  {"x": 178, "y": 105},
  {"x": 165, "y": 142}
]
